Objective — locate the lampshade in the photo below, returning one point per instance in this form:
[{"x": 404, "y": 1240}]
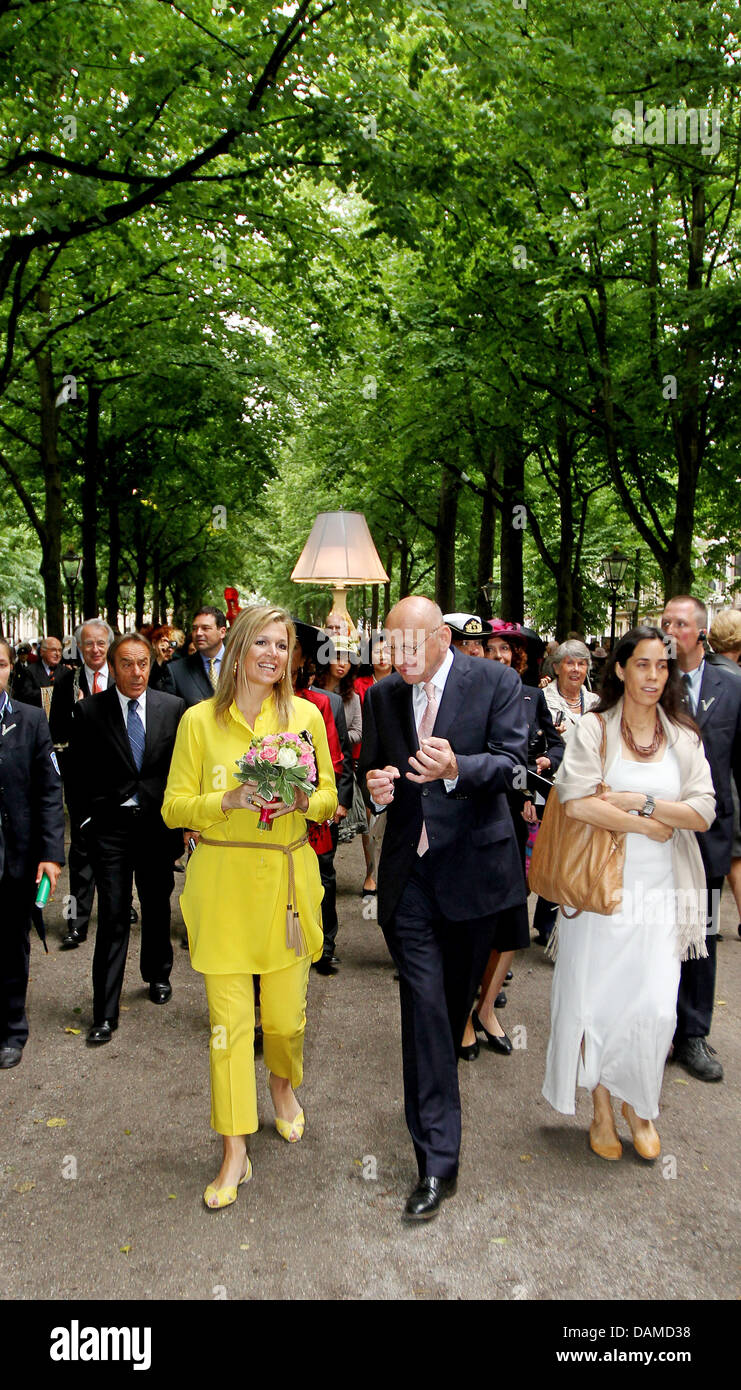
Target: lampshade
[{"x": 339, "y": 551}]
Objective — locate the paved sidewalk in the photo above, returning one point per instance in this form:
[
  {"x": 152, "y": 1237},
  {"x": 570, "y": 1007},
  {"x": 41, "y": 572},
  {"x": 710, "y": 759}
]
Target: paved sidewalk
[{"x": 108, "y": 1204}]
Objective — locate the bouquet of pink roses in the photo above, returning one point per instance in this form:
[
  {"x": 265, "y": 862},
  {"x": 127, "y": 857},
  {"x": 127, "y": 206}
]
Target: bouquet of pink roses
[{"x": 278, "y": 764}]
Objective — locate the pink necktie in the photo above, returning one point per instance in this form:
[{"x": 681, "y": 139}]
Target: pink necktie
[{"x": 425, "y": 729}]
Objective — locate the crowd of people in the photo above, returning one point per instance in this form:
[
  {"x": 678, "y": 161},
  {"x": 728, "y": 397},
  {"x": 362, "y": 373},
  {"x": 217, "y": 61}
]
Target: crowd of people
[{"x": 440, "y": 743}]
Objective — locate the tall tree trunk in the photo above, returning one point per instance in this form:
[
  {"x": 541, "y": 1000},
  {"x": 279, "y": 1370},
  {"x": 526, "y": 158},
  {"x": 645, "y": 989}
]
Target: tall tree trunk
[
  {"x": 389, "y": 568},
  {"x": 114, "y": 558},
  {"x": 565, "y": 562},
  {"x": 51, "y": 546},
  {"x": 90, "y": 503},
  {"x": 140, "y": 576},
  {"x": 513, "y": 518},
  {"x": 487, "y": 534},
  {"x": 447, "y": 515},
  {"x": 155, "y": 590},
  {"x": 404, "y": 568}
]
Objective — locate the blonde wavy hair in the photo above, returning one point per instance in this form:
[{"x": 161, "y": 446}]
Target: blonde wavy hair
[
  {"x": 725, "y": 634},
  {"x": 245, "y": 629}
]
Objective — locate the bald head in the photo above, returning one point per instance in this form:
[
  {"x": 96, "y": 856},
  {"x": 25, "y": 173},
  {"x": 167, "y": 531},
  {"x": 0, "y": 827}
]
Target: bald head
[{"x": 418, "y": 637}]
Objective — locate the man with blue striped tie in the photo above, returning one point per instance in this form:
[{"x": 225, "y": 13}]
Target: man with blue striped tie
[{"x": 120, "y": 749}]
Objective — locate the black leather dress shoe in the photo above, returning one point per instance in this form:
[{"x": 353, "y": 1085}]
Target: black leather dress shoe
[
  {"x": 501, "y": 1000},
  {"x": 73, "y": 938},
  {"x": 160, "y": 993},
  {"x": 133, "y": 916},
  {"x": 469, "y": 1054},
  {"x": 425, "y": 1200},
  {"x": 508, "y": 977},
  {"x": 698, "y": 1058},
  {"x": 324, "y": 966},
  {"x": 10, "y": 1057},
  {"x": 102, "y": 1032}
]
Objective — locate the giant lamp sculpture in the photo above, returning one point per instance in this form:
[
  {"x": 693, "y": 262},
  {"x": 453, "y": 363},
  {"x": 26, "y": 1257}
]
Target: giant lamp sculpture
[
  {"x": 614, "y": 566},
  {"x": 339, "y": 552}
]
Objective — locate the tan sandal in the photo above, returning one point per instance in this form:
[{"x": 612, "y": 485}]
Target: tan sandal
[{"x": 646, "y": 1142}]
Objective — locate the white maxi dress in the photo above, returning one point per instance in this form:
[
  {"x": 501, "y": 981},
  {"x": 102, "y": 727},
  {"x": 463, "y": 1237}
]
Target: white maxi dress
[{"x": 614, "y": 997}]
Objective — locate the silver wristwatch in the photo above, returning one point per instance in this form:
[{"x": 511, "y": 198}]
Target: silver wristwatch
[{"x": 649, "y": 807}]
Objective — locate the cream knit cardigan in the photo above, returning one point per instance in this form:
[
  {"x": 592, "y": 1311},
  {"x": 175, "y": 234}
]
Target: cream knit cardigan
[{"x": 581, "y": 772}]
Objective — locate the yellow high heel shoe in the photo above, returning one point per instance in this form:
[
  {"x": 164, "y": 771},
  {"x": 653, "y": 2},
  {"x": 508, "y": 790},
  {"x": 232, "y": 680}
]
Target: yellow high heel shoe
[
  {"x": 291, "y": 1130},
  {"x": 646, "y": 1142},
  {"x": 225, "y": 1195}
]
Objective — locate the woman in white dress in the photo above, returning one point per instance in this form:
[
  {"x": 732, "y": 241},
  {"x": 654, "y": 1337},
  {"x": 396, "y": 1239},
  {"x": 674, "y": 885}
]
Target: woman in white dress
[{"x": 613, "y": 1006}]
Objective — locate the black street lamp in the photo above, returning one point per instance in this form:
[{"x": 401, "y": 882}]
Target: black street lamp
[
  {"x": 126, "y": 591},
  {"x": 71, "y": 564},
  {"x": 490, "y": 591},
  {"x": 614, "y": 566}
]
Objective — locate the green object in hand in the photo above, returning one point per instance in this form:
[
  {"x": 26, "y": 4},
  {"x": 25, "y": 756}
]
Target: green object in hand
[{"x": 44, "y": 889}]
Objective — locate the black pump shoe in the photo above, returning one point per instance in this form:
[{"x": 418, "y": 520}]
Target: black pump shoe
[
  {"x": 503, "y": 1044},
  {"x": 469, "y": 1054}
]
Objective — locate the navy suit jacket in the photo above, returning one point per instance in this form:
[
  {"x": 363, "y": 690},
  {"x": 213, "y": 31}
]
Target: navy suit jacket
[
  {"x": 719, "y": 717},
  {"x": 473, "y": 860},
  {"x": 187, "y": 678},
  {"x": 31, "y": 806}
]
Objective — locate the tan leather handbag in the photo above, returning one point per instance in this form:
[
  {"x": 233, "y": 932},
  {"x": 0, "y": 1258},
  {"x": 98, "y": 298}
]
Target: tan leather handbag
[{"x": 576, "y": 865}]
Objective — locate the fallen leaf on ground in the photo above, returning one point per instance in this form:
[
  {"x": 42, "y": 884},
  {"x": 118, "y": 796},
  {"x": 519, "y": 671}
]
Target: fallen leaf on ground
[
  {"x": 721, "y": 1001},
  {"x": 56, "y": 1122},
  {"x": 24, "y": 1186},
  {"x": 124, "y": 1249},
  {"x": 498, "y": 1240},
  {"x": 127, "y": 1131},
  {"x": 680, "y": 1081},
  {"x": 171, "y": 1196},
  {"x": 526, "y": 1158},
  {"x": 73, "y": 1030},
  {"x": 125, "y": 1008},
  {"x": 244, "y": 1247},
  {"x": 77, "y": 1011}
]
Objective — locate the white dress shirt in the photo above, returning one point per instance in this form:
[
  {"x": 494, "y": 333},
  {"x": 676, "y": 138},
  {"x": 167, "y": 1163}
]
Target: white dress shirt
[
  {"x": 141, "y": 709},
  {"x": 103, "y": 678},
  {"x": 419, "y": 705},
  {"x": 695, "y": 683}
]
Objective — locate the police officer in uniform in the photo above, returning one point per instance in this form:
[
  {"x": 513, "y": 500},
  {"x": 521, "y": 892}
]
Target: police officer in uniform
[{"x": 31, "y": 844}]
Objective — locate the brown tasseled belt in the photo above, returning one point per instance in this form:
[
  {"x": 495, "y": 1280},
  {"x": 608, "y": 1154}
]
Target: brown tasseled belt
[{"x": 294, "y": 935}]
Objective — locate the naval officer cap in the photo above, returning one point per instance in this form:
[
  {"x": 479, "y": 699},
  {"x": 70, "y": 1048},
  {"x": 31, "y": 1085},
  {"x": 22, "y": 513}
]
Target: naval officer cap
[{"x": 466, "y": 627}]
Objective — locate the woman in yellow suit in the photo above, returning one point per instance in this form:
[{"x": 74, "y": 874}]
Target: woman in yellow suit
[{"x": 252, "y": 897}]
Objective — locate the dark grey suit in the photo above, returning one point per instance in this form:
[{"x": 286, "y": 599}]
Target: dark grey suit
[
  {"x": 438, "y": 912},
  {"x": 718, "y": 714},
  {"x": 187, "y": 678}
]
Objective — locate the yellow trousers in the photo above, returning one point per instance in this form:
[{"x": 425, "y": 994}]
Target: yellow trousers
[{"x": 231, "y": 1006}]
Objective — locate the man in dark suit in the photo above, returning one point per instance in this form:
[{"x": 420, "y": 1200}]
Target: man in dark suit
[
  {"x": 195, "y": 677},
  {"x": 91, "y": 677},
  {"x": 442, "y": 739},
  {"x": 40, "y": 675},
  {"x": 31, "y": 844},
  {"x": 120, "y": 750},
  {"x": 713, "y": 698}
]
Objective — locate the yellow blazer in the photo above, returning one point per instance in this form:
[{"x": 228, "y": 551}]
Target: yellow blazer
[{"x": 234, "y": 900}]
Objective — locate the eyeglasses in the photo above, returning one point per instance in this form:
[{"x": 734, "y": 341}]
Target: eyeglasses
[{"x": 408, "y": 653}]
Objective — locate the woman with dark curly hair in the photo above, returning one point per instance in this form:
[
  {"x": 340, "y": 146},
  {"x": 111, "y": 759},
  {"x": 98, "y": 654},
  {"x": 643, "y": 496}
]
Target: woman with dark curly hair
[{"x": 613, "y": 1006}]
